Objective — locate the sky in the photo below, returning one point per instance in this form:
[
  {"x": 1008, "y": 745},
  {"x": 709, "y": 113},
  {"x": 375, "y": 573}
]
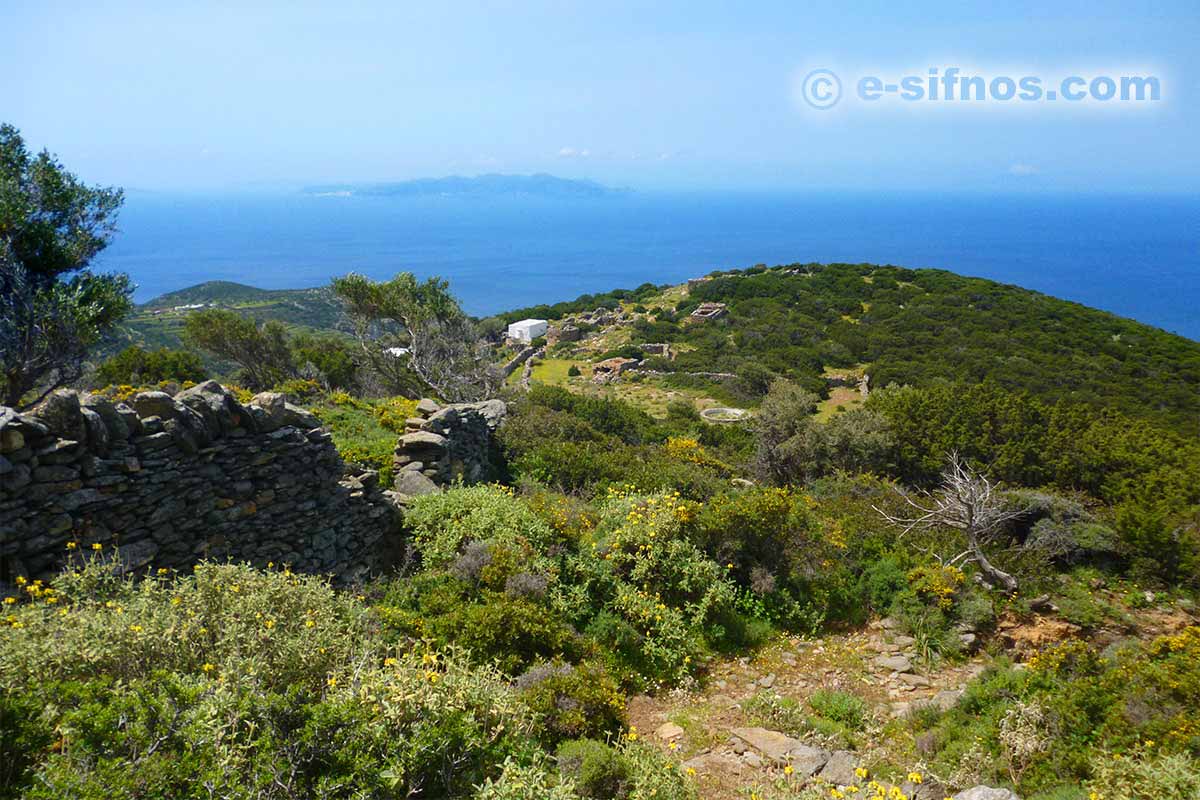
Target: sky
[{"x": 658, "y": 95}]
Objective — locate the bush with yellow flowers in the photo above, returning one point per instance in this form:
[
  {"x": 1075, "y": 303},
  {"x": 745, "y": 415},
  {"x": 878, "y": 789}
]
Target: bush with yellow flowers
[
  {"x": 249, "y": 683},
  {"x": 1074, "y": 709}
]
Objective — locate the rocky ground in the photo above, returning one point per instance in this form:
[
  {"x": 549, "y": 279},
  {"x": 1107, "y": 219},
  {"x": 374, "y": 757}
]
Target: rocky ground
[{"x": 730, "y": 749}]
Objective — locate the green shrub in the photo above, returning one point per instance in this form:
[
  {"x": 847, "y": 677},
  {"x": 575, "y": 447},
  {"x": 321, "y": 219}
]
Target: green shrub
[
  {"x": 138, "y": 367},
  {"x": 841, "y": 707},
  {"x": 442, "y": 523},
  {"x": 598, "y": 770},
  {"x": 627, "y": 770},
  {"x": 247, "y": 683},
  {"x": 573, "y": 701}
]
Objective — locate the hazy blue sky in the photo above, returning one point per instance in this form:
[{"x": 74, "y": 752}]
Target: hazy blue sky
[{"x": 656, "y": 95}]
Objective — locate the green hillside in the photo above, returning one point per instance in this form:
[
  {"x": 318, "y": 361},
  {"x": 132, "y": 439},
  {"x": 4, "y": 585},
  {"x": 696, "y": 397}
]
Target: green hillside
[
  {"x": 912, "y": 326},
  {"x": 159, "y": 322}
]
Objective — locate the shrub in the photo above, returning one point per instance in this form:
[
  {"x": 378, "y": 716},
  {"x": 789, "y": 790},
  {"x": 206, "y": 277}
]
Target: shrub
[
  {"x": 394, "y": 413},
  {"x": 597, "y": 769},
  {"x": 627, "y": 770},
  {"x": 442, "y": 523},
  {"x": 299, "y": 390},
  {"x": 574, "y": 702},
  {"x": 573, "y": 371},
  {"x": 137, "y": 366},
  {"x": 1145, "y": 776},
  {"x": 248, "y": 683}
]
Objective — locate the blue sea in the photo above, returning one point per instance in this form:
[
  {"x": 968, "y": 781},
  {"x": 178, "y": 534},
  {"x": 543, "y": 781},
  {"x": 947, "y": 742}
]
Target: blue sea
[{"x": 1136, "y": 256}]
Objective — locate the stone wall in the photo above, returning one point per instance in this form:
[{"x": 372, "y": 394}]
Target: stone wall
[
  {"x": 164, "y": 481},
  {"x": 448, "y": 444}
]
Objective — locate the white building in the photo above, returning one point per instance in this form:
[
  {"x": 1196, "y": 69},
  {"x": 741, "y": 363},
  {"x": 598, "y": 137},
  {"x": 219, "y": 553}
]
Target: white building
[{"x": 527, "y": 329}]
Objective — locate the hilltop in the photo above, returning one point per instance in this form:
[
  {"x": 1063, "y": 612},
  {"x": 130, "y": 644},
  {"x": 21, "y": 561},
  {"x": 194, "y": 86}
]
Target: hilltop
[{"x": 820, "y": 324}]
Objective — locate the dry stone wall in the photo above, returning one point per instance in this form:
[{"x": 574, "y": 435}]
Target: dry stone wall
[
  {"x": 446, "y": 444},
  {"x": 167, "y": 481}
]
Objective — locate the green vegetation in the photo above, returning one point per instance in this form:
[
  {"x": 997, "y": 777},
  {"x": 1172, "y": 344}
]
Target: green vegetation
[
  {"x": 629, "y": 552},
  {"x": 1073, "y": 713},
  {"x": 53, "y": 309},
  {"x": 134, "y": 366}
]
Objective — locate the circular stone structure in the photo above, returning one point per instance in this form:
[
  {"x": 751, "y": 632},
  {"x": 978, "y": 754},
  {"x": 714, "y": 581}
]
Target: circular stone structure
[{"x": 721, "y": 414}]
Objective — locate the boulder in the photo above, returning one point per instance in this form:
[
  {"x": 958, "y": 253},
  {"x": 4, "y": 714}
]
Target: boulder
[
  {"x": 300, "y": 418},
  {"x": 668, "y": 731},
  {"x": 273, "y": 408},
  {"x": 114, "y": 422},
  {"x": 97, "y": 431},
  {"x": 215, "y": 405},
  {"x": 427, "y": 407},
  {"x": 806, "y": 761},
  {"x": 422, "y": 441},
  {"x": 413, "y": 484},
  {"x": 894, "y": 663},
  {"x": 154, "y": 404},
  {"x": 60, "y": 413},
  {"x": 839, "y": 769}
]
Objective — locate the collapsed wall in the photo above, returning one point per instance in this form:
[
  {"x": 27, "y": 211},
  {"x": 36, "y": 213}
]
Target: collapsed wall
[
  {"x": 165, "y": 482},
  {"x": 444, "y": 445}
]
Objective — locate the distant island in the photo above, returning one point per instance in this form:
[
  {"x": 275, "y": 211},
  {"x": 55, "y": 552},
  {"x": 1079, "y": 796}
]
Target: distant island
[{"x": 494, "y": 185}]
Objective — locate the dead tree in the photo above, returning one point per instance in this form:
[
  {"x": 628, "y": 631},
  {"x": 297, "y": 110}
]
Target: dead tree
[{"x": 967, "y": 502}]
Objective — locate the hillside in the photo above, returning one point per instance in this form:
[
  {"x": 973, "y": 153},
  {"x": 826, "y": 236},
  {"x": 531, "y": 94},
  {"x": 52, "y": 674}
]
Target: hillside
[
  {"x": 917, "y": 327},
  {"x": 159, "y": 322}
]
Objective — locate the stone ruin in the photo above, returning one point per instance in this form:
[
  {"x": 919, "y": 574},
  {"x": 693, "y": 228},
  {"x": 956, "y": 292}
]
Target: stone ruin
[
  {"x": 167, "y": 481},
  {"x": 448, "y": 444}
]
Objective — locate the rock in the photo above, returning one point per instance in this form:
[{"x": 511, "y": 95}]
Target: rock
[
  {"x": 274, "y": 408},
  {"x": 752, "y": 759},
  {"x": 807, "y": 761},
  {"x": 414, "y": 484},
  {"x": 5, "y": 466},
  {"x": 11, "y": 440},
  {"x": 944, "y": 700},
  {"x": 968, "y": 640},
  {"x": 423, "y": 441},
  {"x": 772, "y": 744},
  {"x": 299, "y": 418},
  {"x": 903, "y": 641},
  {"x": 60, "y": 413},
  {"x": 767, "y": 681},
  {"x": 986, "y": 793},
  {"x": 154, "y": 404},
  {"x": 668, "y": 731},
  {"x": 839, "y": 769},
  {"x": 889, "y": 623},
  {"x": 427, "y": 407},
  {"x": 215, "y": 405},
  {"x": 118, "y": 430},
  {"x": 914, "y": 680},
  {"x": 894, "y": 663},
  {"x": 97, "y": 431}
]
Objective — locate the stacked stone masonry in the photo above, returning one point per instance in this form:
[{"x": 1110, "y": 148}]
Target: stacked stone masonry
[
  {"x": 445, "y": 445},
  {"x": 166, "y": 481}
]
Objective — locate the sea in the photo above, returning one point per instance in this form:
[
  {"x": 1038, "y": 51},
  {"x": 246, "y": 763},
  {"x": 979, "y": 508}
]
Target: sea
[{"x": 1136, "y": 256}]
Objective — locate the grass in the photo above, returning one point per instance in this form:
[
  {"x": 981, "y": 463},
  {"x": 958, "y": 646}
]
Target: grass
[
  {"x": 358, "y": 433},
  {"x": 841, "y": 398}
]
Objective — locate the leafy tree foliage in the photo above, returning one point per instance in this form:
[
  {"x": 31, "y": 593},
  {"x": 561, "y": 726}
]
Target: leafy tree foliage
[
  {"x": 52, "y": 307},
  {"x": 137, "y": 366},
  {"x": 262, "y": 351},
  {"x": 410, "y": 329}
]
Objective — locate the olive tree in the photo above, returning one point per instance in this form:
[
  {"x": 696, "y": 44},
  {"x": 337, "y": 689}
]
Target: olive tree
[
  {"x": 409, "y": 329},
  {"x": 53, "y": 309}
]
